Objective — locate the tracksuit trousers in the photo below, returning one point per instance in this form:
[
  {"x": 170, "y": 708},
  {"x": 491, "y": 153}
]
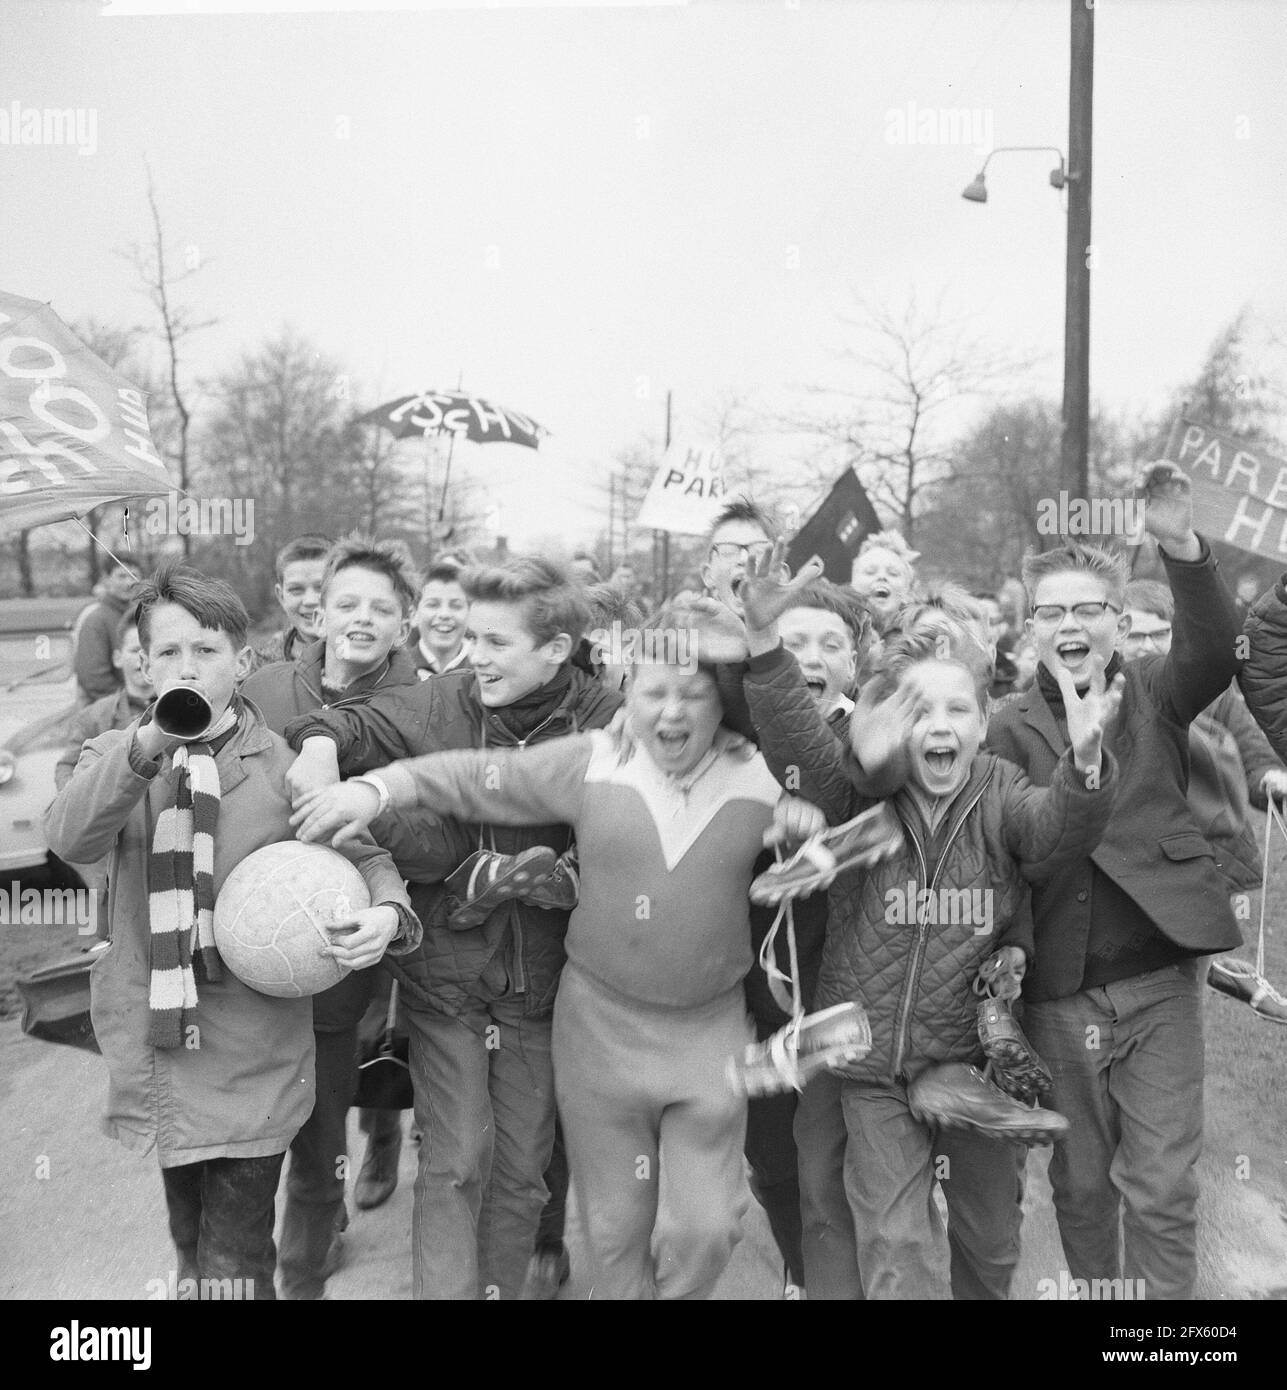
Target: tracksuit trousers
[{"x": 654, "y": 1136}]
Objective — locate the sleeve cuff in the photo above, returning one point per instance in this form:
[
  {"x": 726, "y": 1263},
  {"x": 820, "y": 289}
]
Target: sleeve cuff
[
  {"x": 767, "y": 662},
  {"x": 140, "y": 764},
  {"x": 401, "y": 785},
  {"x": 1204, "y": 554}
]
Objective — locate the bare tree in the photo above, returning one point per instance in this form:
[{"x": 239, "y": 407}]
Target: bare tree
[
  {"x": 909, "y": 375},
  {"x": 280, "y": 434},
  {"x": 156, "y": 271}
]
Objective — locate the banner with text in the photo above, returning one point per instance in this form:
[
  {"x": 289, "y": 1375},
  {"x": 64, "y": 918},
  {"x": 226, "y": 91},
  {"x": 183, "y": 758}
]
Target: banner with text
[
  {"x": 687, "y": 491},
  {"x": 1239, "y": 489}
]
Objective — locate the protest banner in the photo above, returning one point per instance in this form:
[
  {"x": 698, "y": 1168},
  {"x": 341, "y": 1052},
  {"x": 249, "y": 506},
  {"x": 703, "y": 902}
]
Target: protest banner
[
  {"x": 687, "y": 491},
  {"x": 1239, "y": 489}
]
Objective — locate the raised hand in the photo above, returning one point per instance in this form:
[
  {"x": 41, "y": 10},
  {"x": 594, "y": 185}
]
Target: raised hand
[
  {"x": 767, "y": 591},
  {"x": 719, "y": 634},
  {"x": 880, "y": 730},
  {"x": 1090, "y": 713},
  {"x": 1168, "y": 507}
]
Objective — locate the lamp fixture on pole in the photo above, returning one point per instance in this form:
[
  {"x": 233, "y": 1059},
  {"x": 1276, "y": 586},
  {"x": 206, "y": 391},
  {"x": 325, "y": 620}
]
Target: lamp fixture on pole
[{"x": 976, "y": 191}]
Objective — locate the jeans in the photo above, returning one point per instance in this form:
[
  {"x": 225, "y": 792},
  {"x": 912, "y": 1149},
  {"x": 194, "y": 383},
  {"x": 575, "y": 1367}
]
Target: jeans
[
  {"x": 315, "y": 1179},
  {"x": 829, "y": 1243},
  {"x": 1127, "y": 1061},
  {"x": 221, "y": 1222},
  {"x": 484, "y": 1103},
  {"x": 892, "y": 1162}
]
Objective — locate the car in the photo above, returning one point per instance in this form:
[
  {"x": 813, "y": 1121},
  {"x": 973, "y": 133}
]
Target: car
[{"x": 38, "y": 700}]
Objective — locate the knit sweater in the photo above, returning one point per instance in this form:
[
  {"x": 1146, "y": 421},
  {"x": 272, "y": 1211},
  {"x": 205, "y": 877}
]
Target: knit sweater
[{"x": 665, "y": 862}]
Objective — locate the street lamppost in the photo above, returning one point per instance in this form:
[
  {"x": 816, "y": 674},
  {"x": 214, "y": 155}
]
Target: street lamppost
[
  {"x": 1074, "y": 446},
  {"x": 1074, "y": 452}
]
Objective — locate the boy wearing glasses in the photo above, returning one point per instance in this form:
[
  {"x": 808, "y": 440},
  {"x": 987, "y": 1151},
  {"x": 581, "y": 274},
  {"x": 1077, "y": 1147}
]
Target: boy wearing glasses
[
  {"x": 1113, "y": 998},
  {"x": 742, "y": 533}
]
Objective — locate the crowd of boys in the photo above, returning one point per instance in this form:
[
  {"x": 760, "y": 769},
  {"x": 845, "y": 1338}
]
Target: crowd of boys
[{"x": 560, "y": 844}]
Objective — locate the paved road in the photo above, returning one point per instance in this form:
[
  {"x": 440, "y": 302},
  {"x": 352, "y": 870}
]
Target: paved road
[{"x": 82, "y": 1218}]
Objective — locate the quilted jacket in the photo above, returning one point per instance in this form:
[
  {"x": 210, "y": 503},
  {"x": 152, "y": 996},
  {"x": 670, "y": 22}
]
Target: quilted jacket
[
  {"x": 904, "y": 941},
  {"x": 519, "y": 948}
]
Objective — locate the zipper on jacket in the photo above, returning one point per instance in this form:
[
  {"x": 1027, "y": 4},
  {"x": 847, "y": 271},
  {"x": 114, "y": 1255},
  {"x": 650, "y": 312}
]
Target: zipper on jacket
[{"x": 903, "y": 1015}]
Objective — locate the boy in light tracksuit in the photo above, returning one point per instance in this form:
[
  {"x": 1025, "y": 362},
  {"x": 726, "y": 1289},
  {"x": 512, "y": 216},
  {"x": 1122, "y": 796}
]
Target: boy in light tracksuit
[{"x": 650, "y": 1006}]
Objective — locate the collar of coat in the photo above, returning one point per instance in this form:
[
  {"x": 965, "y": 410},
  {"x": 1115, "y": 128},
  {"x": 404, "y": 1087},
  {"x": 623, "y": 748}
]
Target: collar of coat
[
  {"x": 398, "y": 668},
  {"x": 981, "y": 770}
]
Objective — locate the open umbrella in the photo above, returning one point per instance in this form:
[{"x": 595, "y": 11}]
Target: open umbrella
[
  {"x": 73, "y": 433},
  {"x": 456, "y": 414}
]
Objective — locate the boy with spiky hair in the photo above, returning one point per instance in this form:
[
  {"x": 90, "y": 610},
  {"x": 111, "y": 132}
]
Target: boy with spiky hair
[
  {"x": 368, "y": 594},
  {"x": 1114, "y": 1002},
  {"x": 741, "y": 531},
  {"x": 478, "y": 996},
  {"x": 297, "y": 568},
  {"x": 214, "y": 1076}
]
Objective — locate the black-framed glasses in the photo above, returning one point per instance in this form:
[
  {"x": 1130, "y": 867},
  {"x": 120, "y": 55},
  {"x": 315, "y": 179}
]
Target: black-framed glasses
[
  {"x": 1158, "y": 634},
  {"x": 753, "y": 550},
  {"x": 1050, "y": 613}
]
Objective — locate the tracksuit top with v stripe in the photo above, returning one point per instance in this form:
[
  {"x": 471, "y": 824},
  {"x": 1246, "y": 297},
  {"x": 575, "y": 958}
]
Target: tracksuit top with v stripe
[{"x": 665, "y": 862}]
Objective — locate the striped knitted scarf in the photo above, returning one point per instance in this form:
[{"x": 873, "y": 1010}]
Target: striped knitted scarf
[{"x": 181, "y": 896}]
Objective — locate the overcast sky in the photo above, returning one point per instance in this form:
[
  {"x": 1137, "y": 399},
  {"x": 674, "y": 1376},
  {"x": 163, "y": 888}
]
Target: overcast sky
[{"x": 564, "y": 202}]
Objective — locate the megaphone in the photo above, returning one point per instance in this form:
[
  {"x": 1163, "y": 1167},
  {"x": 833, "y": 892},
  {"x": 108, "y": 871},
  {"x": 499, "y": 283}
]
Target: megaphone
[{"x": 183, "y": 712}]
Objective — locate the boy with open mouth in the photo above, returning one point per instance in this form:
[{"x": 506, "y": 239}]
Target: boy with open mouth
[
  {"x": 1120, "y": 931},
  {"x": 972, "y": 824}
]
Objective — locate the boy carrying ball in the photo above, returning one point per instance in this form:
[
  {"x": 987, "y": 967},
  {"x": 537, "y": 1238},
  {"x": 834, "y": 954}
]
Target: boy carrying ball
[{"x": 217, "y": 1078}]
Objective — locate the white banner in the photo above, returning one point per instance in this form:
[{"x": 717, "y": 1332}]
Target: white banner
[{"x": 687, "y": 491}]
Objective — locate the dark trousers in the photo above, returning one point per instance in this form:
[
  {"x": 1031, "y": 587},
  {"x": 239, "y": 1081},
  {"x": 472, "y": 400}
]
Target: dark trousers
[
  {"x": 775, "y": 1176},
  {"x": 221, "y": 1222},
  {"x": 549, "y": 1233},
  {"x": 318, "y": 1164}
]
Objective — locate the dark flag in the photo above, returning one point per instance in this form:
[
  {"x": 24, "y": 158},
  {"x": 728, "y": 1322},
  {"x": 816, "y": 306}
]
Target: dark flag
[{"x": 836, "y": 530}]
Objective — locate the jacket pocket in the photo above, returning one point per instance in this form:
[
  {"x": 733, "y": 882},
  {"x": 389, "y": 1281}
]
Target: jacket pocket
[{"x": 1187, "y": 845}]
